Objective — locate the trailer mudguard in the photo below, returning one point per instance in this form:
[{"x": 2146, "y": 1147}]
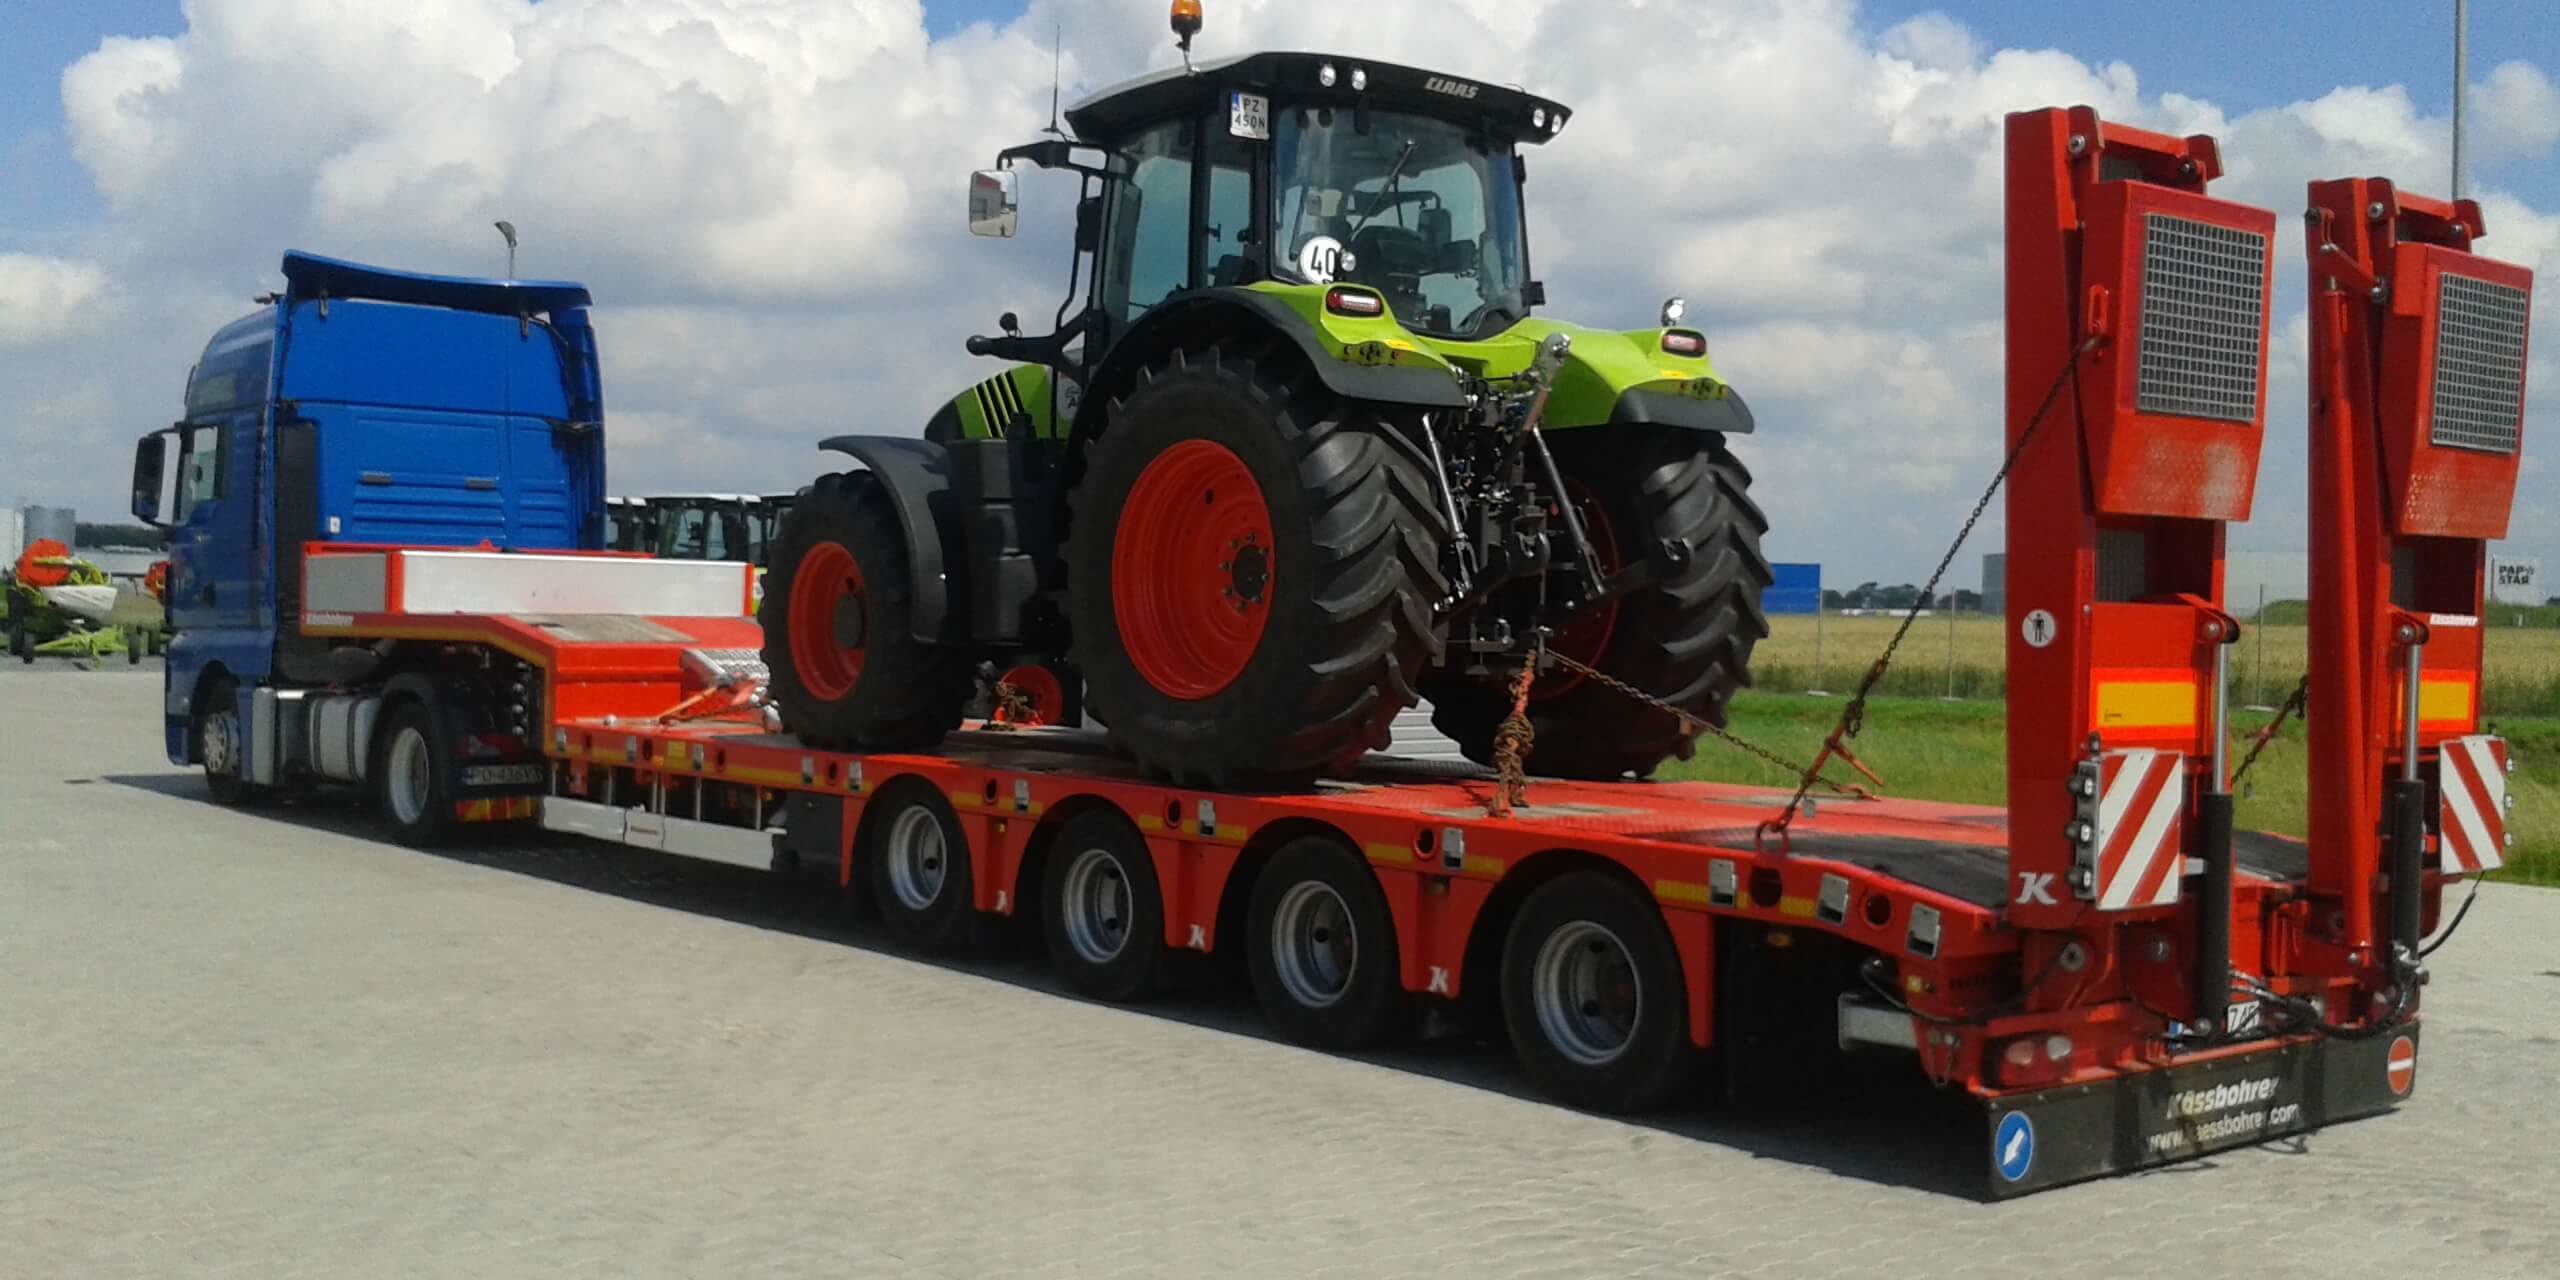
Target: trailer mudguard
[{"x": 917, "y": 475}]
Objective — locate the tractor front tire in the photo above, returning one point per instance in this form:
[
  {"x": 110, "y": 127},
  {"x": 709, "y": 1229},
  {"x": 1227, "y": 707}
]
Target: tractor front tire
[
  {"x": 1686, "y": 639},
  {"x": 1254, "y": 561},
  {"x": 846, "y": 669}
]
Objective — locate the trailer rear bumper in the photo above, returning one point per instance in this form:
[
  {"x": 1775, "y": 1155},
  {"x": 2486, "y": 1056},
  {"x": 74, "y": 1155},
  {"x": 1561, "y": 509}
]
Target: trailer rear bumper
[{"x": 2079, "y": 1131}]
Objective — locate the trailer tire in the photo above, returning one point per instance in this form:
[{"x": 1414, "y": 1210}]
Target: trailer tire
[
  {"x": 1101, "y": 909},
  {"x": 413, "y": 773},
  {"x": 218, "y": 735},
  {"x": 1320, "y": 945},
  {"x": 1593, "y": 996},
  {"x": 917, "y": 864}
]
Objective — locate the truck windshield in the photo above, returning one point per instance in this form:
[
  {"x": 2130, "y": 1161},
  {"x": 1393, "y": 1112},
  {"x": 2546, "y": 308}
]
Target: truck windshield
[{"x": 1427, "y": 212}]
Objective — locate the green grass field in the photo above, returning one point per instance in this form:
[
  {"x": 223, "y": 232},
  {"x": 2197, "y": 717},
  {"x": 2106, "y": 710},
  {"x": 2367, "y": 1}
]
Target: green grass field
[
  {"x": 1928, "y": 748},
  {"x": 1967, "y": 658}
]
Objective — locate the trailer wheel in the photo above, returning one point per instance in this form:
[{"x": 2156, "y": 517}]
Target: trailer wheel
[
  {"x": 413, "y": 772},
  {"x": 1593, "y": 997},
  {"x": 917, "y": 861},
  {"x": 219, "y": 736},
  {"x": 1321, "y": 947},
  {"x": 1102, "y": 911}
]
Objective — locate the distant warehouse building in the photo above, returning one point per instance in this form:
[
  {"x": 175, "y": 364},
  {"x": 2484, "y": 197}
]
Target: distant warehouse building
[{"x": 1796, "y": 589}]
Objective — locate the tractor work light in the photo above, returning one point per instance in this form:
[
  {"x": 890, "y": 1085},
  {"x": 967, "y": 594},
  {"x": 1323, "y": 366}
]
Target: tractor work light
[
  {"x": 1354, "y": 302},
  {"x": 1555, "y": 124},
  {"x": 1359, "y": 78},
  {"x": 1326, "y": 75},
  {"x": 1685, "y": 342},
  {"x": 1538, "y": 117}
]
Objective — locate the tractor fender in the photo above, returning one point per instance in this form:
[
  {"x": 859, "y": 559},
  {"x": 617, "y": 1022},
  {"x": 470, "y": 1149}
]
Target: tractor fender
[
  {"x": 917, "y": 475},
  {"x": 1212, "y": 313},
  {"x": 1725, "y": 413}
]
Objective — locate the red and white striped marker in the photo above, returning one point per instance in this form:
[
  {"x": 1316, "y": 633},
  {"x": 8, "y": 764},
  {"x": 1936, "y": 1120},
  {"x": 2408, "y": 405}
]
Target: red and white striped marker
[
  {"x": 2401, "y": 1068},
  {"x": 2472, "y": 777},
  {"x": 2139, "y": 837}
]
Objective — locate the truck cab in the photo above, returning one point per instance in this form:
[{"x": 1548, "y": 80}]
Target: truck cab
[{"x": 359, "y": 406}]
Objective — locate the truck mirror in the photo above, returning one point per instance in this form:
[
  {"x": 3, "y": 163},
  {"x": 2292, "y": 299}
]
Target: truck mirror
[
  {"x": 991, "y": 203},
  {"x": 150, "y": 460}
]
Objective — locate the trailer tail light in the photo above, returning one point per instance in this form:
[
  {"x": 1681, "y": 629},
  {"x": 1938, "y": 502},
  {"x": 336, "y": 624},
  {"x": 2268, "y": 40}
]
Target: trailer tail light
[
  {"x": 2454, "y": 347},
  {"x": 1354, "y": 302},
  {"x": 2178, "y": 286},
  {"x": 2038, "y": 1058},
  {"x": 1685, "y": 342}
]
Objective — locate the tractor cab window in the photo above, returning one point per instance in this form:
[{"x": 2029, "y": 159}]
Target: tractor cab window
[
  {"x": 1150, "y": 246},
  {"x": 1422, "y": 210},
  {"x": 1226, "y": 229}
]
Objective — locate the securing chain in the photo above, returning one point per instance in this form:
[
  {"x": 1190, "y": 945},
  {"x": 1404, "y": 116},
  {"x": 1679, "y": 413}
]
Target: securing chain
[
  {"x": 2293, "y": 705},
  {"x": 1511, "y": 743},
  {"x": 1853, "y": 717},
  {"x": 1696, "y": 725}
]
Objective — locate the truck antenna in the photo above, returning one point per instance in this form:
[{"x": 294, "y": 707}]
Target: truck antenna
[{"x": 1057, "y": 60}]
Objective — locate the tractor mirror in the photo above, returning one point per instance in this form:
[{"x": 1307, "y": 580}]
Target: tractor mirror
[
  {"x": 150, "y": 461},
  {"x": 1458, "y": 257},
  {"x": 991, "y": 203}
]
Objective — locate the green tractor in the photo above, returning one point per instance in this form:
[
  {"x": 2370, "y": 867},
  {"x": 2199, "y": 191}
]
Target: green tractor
[{"x": 1298, "y": 453}]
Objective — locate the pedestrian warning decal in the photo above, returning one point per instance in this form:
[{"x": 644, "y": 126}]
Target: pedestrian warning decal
[
  {"x": 2401, "y": 1068},
  {"x": 2013, "y": 1146},
  {"x": 2039, "y": 629}
]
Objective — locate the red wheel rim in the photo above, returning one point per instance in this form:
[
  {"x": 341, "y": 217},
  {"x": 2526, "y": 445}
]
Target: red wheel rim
[
  {"x": 1192, "y": 570},
  {"x": 1586, "y": 638},
  {"x": 827, "y": 585},
  {"x": 1040, "y": 686}
]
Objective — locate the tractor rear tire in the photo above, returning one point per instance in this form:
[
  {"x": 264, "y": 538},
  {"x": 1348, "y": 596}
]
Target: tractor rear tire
[
  {"x": 846, "y": 670},
  {"x": 1254, "y": 564},
  {"x": 1686, "y": 639}
]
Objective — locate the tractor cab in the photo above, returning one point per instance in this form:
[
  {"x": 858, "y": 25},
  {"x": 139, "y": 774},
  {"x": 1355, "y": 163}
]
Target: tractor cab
[{"x": 1286, "y": 169}]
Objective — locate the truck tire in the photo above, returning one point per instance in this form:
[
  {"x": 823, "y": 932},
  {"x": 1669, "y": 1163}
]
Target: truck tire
[
  {"x": 413, "y": 771},
  {"x": 1253, "y": 569},
  {"x": 1101, "y": 909},
  {"x": 1686, "y": 639},
  {"x": 1593, "y": 996},
  {"x": 917, "y": 861},
  {"x": 220, "y": 739},
  {"x": 846, "y": 669},
  {"x": 1321, "y": 948}
]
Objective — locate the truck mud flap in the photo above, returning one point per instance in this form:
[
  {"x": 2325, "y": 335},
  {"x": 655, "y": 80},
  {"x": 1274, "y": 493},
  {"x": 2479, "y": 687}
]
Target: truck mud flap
[{"x": 2046, "y": 1139}]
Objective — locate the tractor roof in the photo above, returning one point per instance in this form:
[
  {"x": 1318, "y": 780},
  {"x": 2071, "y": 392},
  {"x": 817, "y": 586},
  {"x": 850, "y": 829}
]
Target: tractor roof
[{"x": 1293, "y": 77}]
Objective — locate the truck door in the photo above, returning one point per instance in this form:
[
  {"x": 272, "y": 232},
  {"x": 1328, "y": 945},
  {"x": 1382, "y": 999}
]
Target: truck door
[{"x": 214, "y": 567}]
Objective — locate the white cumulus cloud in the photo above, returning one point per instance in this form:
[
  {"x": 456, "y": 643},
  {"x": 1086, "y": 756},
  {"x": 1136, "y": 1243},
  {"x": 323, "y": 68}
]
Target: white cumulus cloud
[{"x": 45, "y": 298}]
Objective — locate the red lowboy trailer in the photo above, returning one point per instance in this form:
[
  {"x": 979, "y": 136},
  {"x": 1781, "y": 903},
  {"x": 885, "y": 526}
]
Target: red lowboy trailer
[{"x": 2115, "y": 975}]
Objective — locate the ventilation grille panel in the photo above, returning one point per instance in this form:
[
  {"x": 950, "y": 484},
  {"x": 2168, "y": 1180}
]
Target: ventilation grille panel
[
  {"x": 2479, "y": 391},
  {"x": 2203, "y": 320}
]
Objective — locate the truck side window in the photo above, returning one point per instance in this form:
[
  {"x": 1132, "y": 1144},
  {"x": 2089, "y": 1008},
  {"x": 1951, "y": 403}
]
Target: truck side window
[{"x": 201, "y": 481}]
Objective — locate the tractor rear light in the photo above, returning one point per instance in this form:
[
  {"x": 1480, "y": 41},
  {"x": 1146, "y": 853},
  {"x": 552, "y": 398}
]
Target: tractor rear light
[
  {"x": 1685, "y": 342},
  {"x": 1354, "y": 302}
]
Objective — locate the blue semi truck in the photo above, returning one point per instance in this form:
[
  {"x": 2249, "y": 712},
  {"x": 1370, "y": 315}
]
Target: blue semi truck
[{"x": 367, "y": 406}]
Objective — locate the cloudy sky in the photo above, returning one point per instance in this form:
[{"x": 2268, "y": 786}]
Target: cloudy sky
[{"x": 765, "y": 196}]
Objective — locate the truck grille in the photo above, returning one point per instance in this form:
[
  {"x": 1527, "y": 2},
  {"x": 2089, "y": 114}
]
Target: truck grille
[
  {"x": 2479, "y": 393},
  {"x": 2203, "y": 320}
]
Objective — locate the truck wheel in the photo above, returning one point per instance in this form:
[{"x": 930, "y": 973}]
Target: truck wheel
[
  {"x": 220, "y": 741},
  {"x": 847, "y": 671},
  {"x": 1254, "y": 568},
  {"x": 1686, "y": 639},
  {"x": 1102, "y": 910},
  {"x": 413, "y": 776},
  {"x": 1321, "y": 947},
  {"x": 917, "y": 860},
  {"x": 1593, "y": 997}
]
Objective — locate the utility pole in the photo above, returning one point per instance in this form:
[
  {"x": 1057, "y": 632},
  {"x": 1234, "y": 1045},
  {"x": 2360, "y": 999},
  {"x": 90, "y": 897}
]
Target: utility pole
[
  {"x": 2461, "y": 83},
  {"x": 508, "y": 229}
]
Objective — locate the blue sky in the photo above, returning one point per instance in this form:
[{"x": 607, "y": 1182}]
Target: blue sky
[{"x": 2240, "y": 54}]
